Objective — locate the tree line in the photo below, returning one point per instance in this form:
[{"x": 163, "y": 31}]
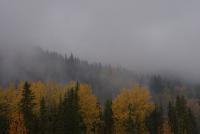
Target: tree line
[{"x": 52, "y": 108}]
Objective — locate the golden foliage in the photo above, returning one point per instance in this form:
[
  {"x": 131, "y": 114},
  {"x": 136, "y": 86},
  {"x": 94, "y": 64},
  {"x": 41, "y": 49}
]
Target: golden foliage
[
  {"x": 17, "y": 124},
  {"x": 11, "y": 96},
  {"x": 140, "y": 98},
  {"x": 51, "y": 91},
  {"x": 88, "y": 107}
]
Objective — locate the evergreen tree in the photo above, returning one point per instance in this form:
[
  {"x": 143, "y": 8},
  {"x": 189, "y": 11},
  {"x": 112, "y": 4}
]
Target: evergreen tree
[
  {"x": 4, "y": 121},
  {"x": 181, "y": 114},
  {"x": 155, "y": 120},
  {"x": 172, "y": 117},
  {"x": 181, "y": 119},
  {"x": 55, "y": 121},
  {"x": 73, "y": 122},
  {"x": 108, "y": 117},
  {"x": 43, "y": 117},
  {"x": 191, "y": 123},
  {"x": 26, "y": 106}
]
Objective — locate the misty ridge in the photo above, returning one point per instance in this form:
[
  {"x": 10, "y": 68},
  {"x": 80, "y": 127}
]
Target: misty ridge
[
  {"x": 145, "y": 37},
  {"x": 32, "y": 63},
  {"x": 99, "y": 67},
  {"x": 46, "y": 92}
]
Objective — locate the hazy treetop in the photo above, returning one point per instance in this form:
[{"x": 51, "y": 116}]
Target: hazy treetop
[{"x": 144, "y": 35}]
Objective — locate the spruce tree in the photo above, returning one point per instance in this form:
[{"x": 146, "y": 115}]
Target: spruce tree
[
  {"x": 191, "y": 123},
  {"x": 43, "y": 120},
  {"x": 108, "y": 117},
  {"x": 181, "y": 114},
  {"x": 4, "y": 118},
  {"x": 172, "y": 117},
  {"x": 155, "y": 120},
  {"x": 26, "y": 107},
  {"x": 73, "y": 122},
  {"x": 181, "y": 119}
]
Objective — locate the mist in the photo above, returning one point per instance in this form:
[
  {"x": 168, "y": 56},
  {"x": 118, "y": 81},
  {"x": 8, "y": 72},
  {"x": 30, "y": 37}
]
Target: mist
[{"x": 144, "y": 36}]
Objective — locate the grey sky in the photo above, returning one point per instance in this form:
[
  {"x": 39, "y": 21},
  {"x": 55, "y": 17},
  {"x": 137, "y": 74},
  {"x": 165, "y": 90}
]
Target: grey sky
[{"x": 150, "y": 35}]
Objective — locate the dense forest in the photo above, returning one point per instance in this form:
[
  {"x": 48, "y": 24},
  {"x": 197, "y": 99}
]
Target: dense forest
[
  {"x": 52, "y": 108},
  {"x": 45, "y": 92}
]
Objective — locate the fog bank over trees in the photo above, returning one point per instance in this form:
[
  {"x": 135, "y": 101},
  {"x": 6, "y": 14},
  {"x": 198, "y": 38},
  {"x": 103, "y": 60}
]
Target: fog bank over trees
[{"x": 144, "y": 36}]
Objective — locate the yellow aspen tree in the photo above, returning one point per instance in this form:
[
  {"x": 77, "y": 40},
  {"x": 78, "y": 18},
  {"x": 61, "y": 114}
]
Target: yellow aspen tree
[
  {"x": 139, "y": 99},
  {"x": 38, "y": 89},
  {"x": 17, "y": 125},
  {"x": 55, "y": 91},
  {"x": 12, "y": 96},
  {"x": 88, "y": 108}
]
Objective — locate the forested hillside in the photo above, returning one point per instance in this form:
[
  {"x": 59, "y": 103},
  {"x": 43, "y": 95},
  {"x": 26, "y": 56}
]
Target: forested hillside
[
  {"x": 71, "y": 108},
  {"x": 99, "y": 67},
  {"x": 33, "y": 63},
  {"x": 40, "y": 93}
]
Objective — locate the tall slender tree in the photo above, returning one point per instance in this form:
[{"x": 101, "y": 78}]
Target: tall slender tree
[
  {"x": 155, "y": 121},
  {"x": 43, "y": 120},
  {"x": 172, "y": 117},
  {"x": 26, "y": 107},
  {"x": 4, "y": 119},
  {"x": 73, "y": 122},
  {"x": 181, "y": 111},
  {"x": 191, "y": 123},
  {"x": 108, "y": 117}
]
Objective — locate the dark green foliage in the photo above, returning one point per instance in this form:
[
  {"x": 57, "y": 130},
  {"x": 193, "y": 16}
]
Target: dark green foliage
[
  {"x": 181, "y": 111},
  {"x": 4, "y": 120},
  {"x": 108, "y": 117},
  {"x": 54, "y": 121},
  {"x": 43, "y": 118},
  {"x": 181, "y": 118},
  {"x": 155, "y": 120},
  {"x": 172, "y": 117},
  {"x": 26, "y": 107},
  {"x": 191, "y": 123},
  {"x": 72, "y": 120}
]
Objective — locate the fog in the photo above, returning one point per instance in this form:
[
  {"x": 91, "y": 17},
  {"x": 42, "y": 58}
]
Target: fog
[{"x": 142, "y": 35}]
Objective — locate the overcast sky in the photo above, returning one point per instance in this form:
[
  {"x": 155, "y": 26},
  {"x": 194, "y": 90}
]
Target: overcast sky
[{"x": 139, "y": 34}]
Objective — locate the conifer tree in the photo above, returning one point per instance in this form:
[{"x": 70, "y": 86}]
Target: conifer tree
[
  {"x": 108, "y": 117},
  {"x": 43, "y": 117},
  {"x": 4, "y": 120},
  {"x": 155, "y": 120},
  {"x": 181, "y": 112},
  {"x": 191, "y": 123},
  {"x": 26, "y": 107},
  {"x": 172, "y": 117},
  {"x": 73, "y": 122},
  {"x": 181, "y": 118}
]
